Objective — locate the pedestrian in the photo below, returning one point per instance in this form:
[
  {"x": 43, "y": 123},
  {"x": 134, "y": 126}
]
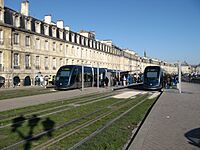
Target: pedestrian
[
  {"x": 124, "y": 80},
  {"x": 106, "y": 81}
]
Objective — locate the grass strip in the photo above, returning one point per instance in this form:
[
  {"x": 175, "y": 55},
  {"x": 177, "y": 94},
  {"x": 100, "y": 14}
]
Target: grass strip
[
  {"x": 10, "y": 137},
  {"x": 116, "y": 136},
  {"x": 76, "y": 137},
  {"x": 27, "y": 111},
  {"x": 7, "y": 94}
]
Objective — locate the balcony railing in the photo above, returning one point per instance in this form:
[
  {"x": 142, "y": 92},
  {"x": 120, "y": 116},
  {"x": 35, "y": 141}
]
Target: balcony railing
[
  {"x": 16, "y": 67},
  {"x": 1, "y": 42},
  {"x": 1, "y": 67},
  {"x": 28, "y": 67},
  {"x": 37, "y": 67}
]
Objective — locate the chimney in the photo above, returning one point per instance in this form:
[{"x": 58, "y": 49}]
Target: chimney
[
  {"x": 47, "y": 19},
  {"x": 24, "y": 7},
  {"x": 60, "y": 24},
  {"x": 67, "y": 28},
  {"x": 2, "y": 3}
]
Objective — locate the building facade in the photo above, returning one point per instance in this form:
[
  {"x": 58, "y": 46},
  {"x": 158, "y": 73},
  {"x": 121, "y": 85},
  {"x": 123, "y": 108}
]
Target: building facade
[{"x": 29, "y": 47}]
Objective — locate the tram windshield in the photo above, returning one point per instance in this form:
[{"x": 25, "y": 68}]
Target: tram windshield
[
  {"x": 152, "y": 74},
  {"x": 63, "y": 74}
]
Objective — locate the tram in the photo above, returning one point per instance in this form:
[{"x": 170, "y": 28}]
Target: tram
[
  {"x": 70, "y": 77},
  {"x": 153, "y": 78}
]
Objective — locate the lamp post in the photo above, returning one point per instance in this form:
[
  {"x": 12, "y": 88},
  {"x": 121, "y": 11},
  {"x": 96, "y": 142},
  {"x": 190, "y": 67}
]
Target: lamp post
[
  {"x": 82, "y": 71},
  {"x": 179, "y": 76},
  {"x": 98, "y": 75}
]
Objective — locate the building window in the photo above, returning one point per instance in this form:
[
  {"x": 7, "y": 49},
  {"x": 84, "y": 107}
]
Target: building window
[
  {"x": 61, "y": 62},
  {"x": 46, "y": 46},
  {"x": 1, "y": 61},
  {"x": 61, "y": 47},
  {"x": 46, "y": 63},
  {"x": 28, "y": 41},
  {"x": 16, "y": 61},
  {"x": 54, "y": 46},
  {"x": 27, "y": 62},
  {"x": 37, "y": 62},
  {"x": 1, "y": 36},
  {"x": 54, "y": 63},
  {"x": 66, "y": 61},
  {"x": 16, "y": 38},
  {"x": 37, "y": 44}
]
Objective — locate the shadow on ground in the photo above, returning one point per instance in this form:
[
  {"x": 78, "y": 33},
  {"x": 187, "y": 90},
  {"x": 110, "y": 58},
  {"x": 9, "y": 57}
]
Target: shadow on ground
[
  {"x": 32, "y": 123},
  {"x": 194, "y": 137}
]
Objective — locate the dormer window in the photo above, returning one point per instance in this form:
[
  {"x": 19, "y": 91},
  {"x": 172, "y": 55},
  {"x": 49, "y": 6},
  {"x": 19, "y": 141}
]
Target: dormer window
[
  {"x": 78, "y": 39},
  {"x": 54, "y": 31},
  {"x": 72, "y": 37},
  {"x": 91, "y": 43},
  {"x": 97, "y": 45},
  {"x": 67, "y": 35},
  {"x": 37, "y": 26},
  {"x": 61, "y": 34},
  {"x": 16, "y": 20},
  {"x": 82, "y": 41},
  {"x": 86, "y": 41},
  {"x": 94, "y": 44},
  {"x": 46, "y": 29},
  {"x": 28, "y": 23},
  {"x": 100, "y": 46},
  {"x": 1, "y": 14}
]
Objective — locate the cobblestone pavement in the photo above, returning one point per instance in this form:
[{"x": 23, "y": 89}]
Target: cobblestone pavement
[{"x": 173, "y": 123}]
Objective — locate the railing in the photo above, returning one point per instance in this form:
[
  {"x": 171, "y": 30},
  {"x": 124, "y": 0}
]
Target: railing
[
  {"x": 28, "y": 67},
  {"x": 16, "y": 67},
  {"x": 1, "y": 67},
  {"x": 37, "y": 67}
]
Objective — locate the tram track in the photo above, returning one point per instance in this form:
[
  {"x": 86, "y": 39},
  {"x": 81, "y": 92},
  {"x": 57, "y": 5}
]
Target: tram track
[
  {"x": 63, "y": 125},
  {"x": 61, "y": 103},
  {"x": 69, "y": 105},
  {"x": 88, "y": 123},
  {"x": 99, "y": 114}
]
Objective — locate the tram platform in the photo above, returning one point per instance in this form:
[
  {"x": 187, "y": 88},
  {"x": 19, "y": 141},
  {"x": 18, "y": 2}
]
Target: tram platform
[{"x": 173, "y": 123}]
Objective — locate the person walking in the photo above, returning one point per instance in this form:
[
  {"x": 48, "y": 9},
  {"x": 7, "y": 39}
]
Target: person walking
[{"x": 106, "y": 81}]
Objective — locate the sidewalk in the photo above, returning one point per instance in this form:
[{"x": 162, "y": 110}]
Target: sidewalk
[
  {"x": 173, "y": 123},
  {"x": 44, "y": 98}
]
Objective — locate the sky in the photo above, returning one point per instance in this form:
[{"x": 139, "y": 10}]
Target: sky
[{"x": 166, "y": 29}]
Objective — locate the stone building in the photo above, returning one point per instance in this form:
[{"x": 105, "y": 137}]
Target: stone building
[{"x": 31, "y": 47}]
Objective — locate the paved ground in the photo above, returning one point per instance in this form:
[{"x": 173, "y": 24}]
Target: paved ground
[
  {"x": 173, "y": 123},
  {"x": 43, "y": 98}
]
